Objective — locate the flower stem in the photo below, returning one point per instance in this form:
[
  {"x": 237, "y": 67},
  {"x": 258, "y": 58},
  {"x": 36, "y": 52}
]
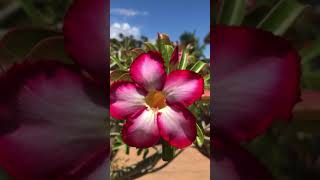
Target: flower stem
[{"x": 167, "y": 151}]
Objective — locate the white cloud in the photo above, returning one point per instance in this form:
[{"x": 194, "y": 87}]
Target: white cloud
[
  {"x": 124, "y": 28},
  {"x": 128, "y": 12}
]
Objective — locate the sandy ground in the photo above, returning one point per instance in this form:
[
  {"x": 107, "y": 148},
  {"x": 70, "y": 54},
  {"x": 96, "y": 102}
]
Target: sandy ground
[{"x": 189, "y": 165}]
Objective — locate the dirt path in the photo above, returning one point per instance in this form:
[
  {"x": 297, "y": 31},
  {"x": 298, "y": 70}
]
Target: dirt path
[{"x": 189, "y": 165}]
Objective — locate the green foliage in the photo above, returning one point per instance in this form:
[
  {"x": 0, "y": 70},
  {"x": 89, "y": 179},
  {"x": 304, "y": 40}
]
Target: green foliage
[
  {"x": 47, "y": 12},
  {"x": 200, "y": 135},
  {"x": 281, "y": 16},
  {"x": 21, "y": 40},
  {"x": 231, "y": 12},
  {"x": 184, "y": 60},
  {"x": 191, "y": 42}
]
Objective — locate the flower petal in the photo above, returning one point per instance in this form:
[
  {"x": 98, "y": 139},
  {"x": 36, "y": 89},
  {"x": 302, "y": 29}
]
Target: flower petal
[
  {"x": 59, "y": 115},
  {"x": 126, "y": 98},
  {"x": 86, "y": 32},
  {"x": 101, "y": 172},
  {"x": 177, "y": 125},
  {"x": 229, "y": 161},
  {"x": 141, "y": 130},
  {"x": 256, "y": 80},
  {"x": 94, "y": 167},
  {"x": 183, "y": 87},
  {"x": 148, "y": 70}
]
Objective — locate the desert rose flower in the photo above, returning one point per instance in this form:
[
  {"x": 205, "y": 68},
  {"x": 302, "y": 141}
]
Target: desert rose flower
[
  {"x": 256, "y": 82},
  {"x": 154, "y": 105},
  {"x": 53, "y": 116}
]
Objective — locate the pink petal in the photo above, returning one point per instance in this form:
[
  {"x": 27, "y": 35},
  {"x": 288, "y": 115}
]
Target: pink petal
[
  {"x": 177, "y": 125},
  {"x": 126, "y": 98},
  {"x": 60, "y": 121},
  {"x": 86, "y": 32},
  {"x": 141, "y": 130},
  {"x": 148, "y": 70},
  {"x": 256, "y": 80},
  {"x": 101, "y": 172},
  {"x": 96, "y": 166},
  {"x": 229, "y": 161},
  {"x": 183, "y": 87}
]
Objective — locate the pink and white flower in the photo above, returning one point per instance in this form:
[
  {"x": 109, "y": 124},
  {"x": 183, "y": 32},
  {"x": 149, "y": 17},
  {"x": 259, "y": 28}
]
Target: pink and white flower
[{"x": 154, "y": 104}]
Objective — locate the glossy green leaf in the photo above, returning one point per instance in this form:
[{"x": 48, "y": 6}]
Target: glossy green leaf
[
  {"x": 169, "y": 49},
  {"x": 149, "y": 46},
  {"x": 164, "y": 50},
  {"x": 21, "y": 40},
  {"x": 197, "y": 67},
  {"x": 145, "y": 153},
  {"x": 51, "y": 48},
  {"x": 136, "y": 52},
  {"x": 4, "y": 175},
  {"x": 281, "y": 16},
  {"x": 116, "y": 60},
  {"x": 309, "y": 53},
  {"x": 119, "y": 75},
  {"x": 139, "y": 152},
  {"x": 200, "y": 136},
  {"x": 167, "y": 151},
  {"x": 311, "y": 80},
  {"x": 6, "y": 57},
  {"x": 184, "y": 60},
  {"x": 127, "y": 149},
  {"x": 207, "y": 80},
  {"x": 33, "y": 12},
  {"x": 232, "y": 12},
  {"x": 116, "y": 146}
]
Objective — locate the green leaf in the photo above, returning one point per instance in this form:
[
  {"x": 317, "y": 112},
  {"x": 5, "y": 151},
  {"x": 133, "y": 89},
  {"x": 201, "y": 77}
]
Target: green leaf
[
  {"x": 232, "y": 12},
  {"x": 164, "y": 50},
  {"x": 116, "y": 146},
  {"x": 119, "y": 75},
  {"x": 309, "y": 53},
  {"x": 127, "y": 149},
  {"x": 169, "y": 49},
  {"x": 33, "y": 12},
  {"x": 21, "y": 40},
  {"x": 311, "y": 80},
  {"x": 197, "y": 67},
  {"x": 200, "y": 136},
  {"x": 167, "y": 151},
  {"x": 207, "y": 80},
  {"x": 6, "y": 58},
  {"x": 192, "y": 108},
  {"x": 118, "y": 62},
  {"x": 184, "y": 60},
  {"x": 139, "y": 152},
  {"x": 145, "y": 153},
  {"x": 281, "y": 16},
  {"x": 51, "y": 48},
  {"x": 149, "y": 46},
  {"x": 135, "y": 52},
  {"x": 4, "y": 175}
]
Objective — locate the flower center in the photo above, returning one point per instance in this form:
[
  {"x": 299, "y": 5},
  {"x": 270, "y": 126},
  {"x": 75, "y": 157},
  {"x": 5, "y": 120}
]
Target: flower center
[{"x": 156, "y": 99}]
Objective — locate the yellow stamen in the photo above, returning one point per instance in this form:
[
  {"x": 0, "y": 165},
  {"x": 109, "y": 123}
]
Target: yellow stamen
[{"x": 156, "y": 99}]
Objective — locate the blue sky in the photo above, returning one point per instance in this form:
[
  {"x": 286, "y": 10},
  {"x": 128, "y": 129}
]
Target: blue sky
[{"x": 147, "y": 17}]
